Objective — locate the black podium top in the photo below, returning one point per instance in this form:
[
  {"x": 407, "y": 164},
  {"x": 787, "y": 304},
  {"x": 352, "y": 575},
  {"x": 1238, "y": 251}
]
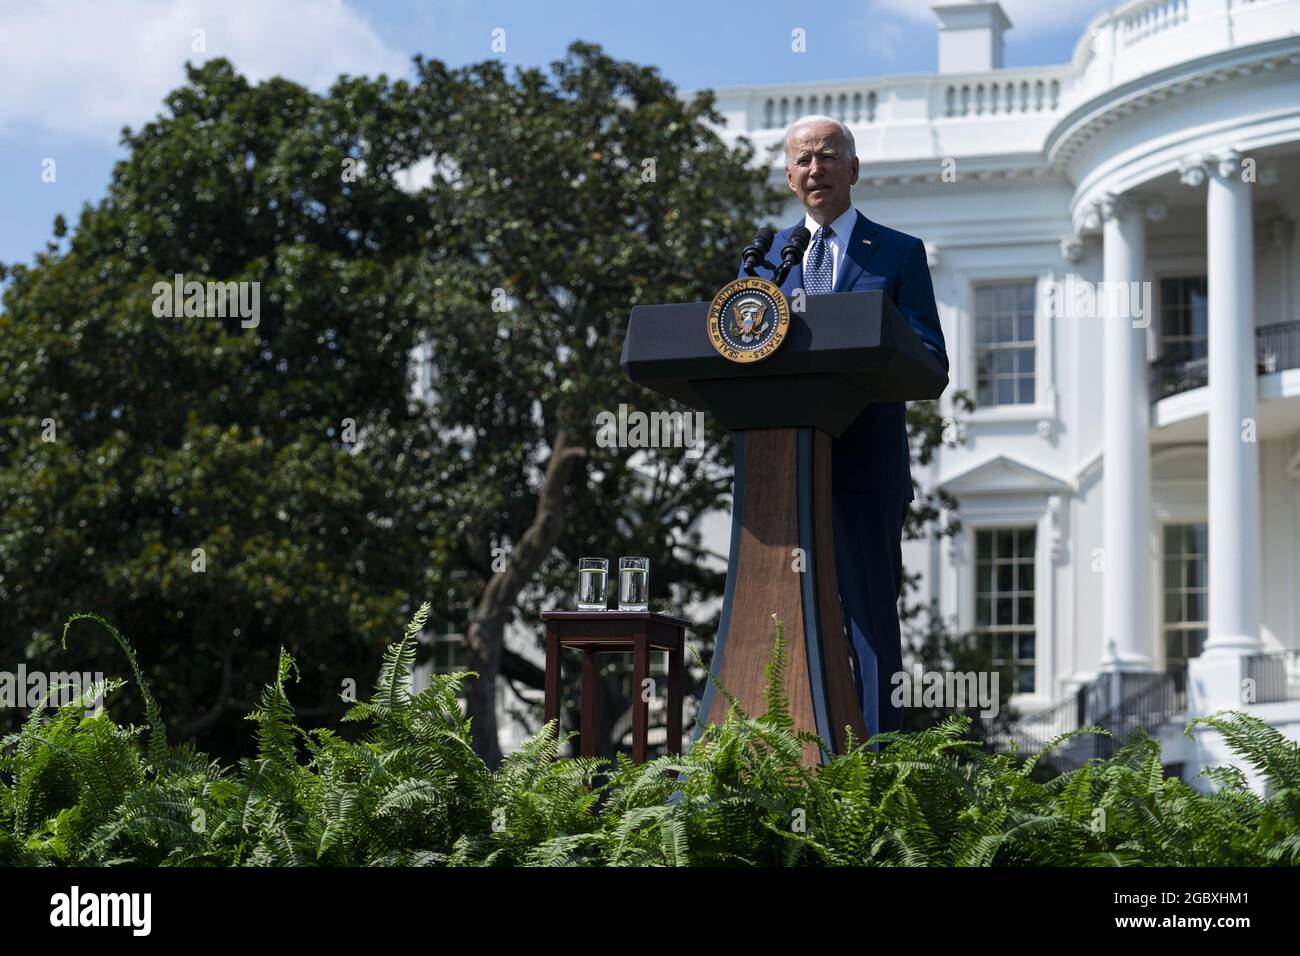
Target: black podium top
[{"x": 843, "y": 352}]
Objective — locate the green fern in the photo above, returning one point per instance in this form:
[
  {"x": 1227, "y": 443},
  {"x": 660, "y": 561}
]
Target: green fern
[{"x": 84, "y": 790}]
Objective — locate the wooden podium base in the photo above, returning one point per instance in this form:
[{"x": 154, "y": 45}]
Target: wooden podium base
[{"x": 781, "y": 522}]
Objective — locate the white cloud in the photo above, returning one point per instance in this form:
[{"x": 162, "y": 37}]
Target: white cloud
[
  {"x": 85, "y": 68},
  {"x": 1028, "y": 17},
  {"x": 884, "y": 38}
]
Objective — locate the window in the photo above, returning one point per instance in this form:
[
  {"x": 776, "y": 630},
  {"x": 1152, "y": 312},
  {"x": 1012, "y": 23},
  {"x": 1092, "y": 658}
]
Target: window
[
  {"x": 1004, "y": 601},
  {"x": 1185, "y": 597},
  {"x": 449, "y": 654},
  {"x": 1184, "y": 317},
  {"x": 1004, "y": 343}
]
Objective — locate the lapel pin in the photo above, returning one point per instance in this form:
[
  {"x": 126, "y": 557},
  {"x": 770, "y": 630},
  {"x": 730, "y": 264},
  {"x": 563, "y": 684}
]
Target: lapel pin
[{"x": 866, "y": 242}]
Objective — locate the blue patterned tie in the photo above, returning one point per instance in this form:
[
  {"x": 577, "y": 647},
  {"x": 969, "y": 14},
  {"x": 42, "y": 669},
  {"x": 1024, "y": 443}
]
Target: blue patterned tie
[{"x": 817, "y": 277}]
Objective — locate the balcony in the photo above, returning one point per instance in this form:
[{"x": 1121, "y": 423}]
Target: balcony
[
  {"x": 906, "y": 119},
  {"x": 1007, "y": 92},
  {"x": 1277, "y": 348},
  {"x": 1276, "y": 676}
]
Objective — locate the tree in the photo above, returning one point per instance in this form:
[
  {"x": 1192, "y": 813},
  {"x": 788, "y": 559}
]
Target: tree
[
  {"x": 221, "y": 488},
  {"x": 194, "y": 483},
  {"x": 569, "y": 198}
]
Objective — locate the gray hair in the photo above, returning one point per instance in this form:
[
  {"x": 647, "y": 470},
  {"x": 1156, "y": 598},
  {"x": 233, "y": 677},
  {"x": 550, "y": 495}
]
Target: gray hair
[{"x": 816, "y": 118}]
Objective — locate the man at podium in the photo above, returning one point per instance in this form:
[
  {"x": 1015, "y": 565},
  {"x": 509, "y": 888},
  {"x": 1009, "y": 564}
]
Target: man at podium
[{"x": 870, "y": 462}]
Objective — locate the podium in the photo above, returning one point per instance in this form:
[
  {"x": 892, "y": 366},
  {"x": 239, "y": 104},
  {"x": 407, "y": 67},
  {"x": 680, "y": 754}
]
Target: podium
[{"x": 843, "y": 352}]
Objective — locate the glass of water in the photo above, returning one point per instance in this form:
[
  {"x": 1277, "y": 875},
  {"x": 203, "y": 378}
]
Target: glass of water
[
  {"x": 633, "y": 584},
  {"x": 592, "y": 573}
]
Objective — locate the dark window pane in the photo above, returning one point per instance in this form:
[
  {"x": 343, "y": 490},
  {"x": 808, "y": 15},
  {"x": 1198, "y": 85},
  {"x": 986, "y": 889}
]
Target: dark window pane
[
  {"x": 1025, "y": 292},
  {"x": 1006, "y": 577},
  {"x": 984, "y": 578},
  {"x": 1026, "y": 392},
  {"x": 1173, "y": 573},
  {"x": 1006, "y": 298},
  {"x": 1004, "y": 611},
  {"x": 1026, "y": 650},
  {"x": 1006, "y": 391},
  {"x": 1025, "y": 682},
  {"x": 984, "y": 544},
  {"x": 1004, "y": 650},
  {"x": 1025, "y": 610},
  {"x": 1198, "y": 310}
]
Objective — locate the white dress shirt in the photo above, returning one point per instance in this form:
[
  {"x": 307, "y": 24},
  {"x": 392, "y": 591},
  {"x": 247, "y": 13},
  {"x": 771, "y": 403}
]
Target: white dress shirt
[{"x": 839, "y": 243}]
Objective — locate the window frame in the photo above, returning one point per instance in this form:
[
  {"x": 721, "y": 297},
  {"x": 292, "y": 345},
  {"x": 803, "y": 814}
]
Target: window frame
[
  {"x": 957, "y": 313},
  {"x": 1183, "y": 626},
  {"x": 1015, "y": 629},
  {"x": 1013, "y": 345},
  {"x": 1175, "y": 275}
]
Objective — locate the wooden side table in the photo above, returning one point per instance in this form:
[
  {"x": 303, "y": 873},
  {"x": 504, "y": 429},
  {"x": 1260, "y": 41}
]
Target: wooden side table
[{"x": 617, "y": 632}]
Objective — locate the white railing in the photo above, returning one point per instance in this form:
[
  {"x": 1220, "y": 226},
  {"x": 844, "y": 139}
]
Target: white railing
[
  {"x": 993, "y": 96},
  {"x": 1149, "y": 17},
  {"x": 850, "y": 105},
  {"x": 1000, "y": 93},
  {"x": 1141, "y": 36},
  {"x": 1120, "y": 44}
]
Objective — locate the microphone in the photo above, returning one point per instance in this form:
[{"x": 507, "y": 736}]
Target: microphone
[
  {"x": 792, "y": 253},
  {"x": 756, "y": 252}
]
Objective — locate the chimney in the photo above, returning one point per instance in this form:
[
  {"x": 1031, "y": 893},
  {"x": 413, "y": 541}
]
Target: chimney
[{"x": 970, "y": 36}]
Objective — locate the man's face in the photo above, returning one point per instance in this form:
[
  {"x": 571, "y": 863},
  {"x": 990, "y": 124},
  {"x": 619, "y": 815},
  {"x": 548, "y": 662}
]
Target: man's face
[{"x": 820, "y": 171}]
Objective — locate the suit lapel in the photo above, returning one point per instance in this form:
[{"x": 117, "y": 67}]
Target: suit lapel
[{"x": 862, "y": 246}]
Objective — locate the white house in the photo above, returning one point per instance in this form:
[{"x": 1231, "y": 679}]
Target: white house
[{"x": 1129, "y": 484}]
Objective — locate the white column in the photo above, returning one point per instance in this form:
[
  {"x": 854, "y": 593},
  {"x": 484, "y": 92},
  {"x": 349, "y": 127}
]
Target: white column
[
  {"x": 1126, "y": 420},
  {"x": 1234, "y": 559}
]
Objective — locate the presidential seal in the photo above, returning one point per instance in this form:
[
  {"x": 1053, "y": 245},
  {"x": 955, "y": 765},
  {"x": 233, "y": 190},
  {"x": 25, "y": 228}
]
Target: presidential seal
[{"x": 748, "y": 319}]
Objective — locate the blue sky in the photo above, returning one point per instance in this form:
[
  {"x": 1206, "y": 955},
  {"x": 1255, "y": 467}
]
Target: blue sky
[{"x": 73, "y": 72}]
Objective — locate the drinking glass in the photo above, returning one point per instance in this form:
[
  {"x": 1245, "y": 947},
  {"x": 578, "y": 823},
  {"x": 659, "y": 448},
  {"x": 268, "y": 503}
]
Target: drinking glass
[
  {"x": 592, "y": 573},
  {"x": 633, "y": 584}
]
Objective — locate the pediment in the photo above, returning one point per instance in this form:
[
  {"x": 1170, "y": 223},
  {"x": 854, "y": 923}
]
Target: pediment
[{"x": 1002, "y": 475}]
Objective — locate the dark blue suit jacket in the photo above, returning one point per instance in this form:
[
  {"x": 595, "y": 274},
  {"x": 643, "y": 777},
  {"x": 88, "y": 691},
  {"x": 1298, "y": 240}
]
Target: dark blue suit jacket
[{"x": 872, "y": 455}]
